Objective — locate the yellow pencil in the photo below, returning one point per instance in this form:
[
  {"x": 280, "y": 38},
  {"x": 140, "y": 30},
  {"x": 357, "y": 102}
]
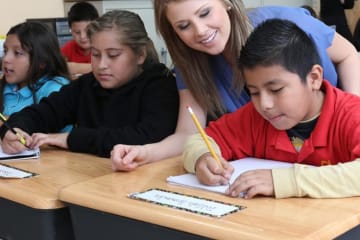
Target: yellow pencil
[
  {"x": 21, "y": 138},
  {"x": 204, "y": 136}
]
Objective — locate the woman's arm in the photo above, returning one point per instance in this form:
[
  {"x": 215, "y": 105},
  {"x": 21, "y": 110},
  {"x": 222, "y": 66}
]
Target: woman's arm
[
  {"x": 347, "y": 61},
  {"x": 126, "y": 158},
  {"x": 174, "y": 144}
]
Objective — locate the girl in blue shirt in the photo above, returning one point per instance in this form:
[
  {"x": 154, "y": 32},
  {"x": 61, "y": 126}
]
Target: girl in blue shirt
[
  {"x": 204, "y": 39},
  {"x": 32, "y": 66}
]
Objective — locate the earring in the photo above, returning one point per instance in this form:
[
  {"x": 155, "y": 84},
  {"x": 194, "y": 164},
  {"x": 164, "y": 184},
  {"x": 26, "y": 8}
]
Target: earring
[{"x": 229, "y": 8}]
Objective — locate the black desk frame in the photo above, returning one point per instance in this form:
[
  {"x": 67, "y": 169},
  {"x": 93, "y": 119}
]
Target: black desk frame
[
  {"x": 90, "y": 224},
  {"x": 19, "y": 222}
]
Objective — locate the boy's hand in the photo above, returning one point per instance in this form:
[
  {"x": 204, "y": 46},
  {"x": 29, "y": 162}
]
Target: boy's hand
[
  {"x": 11, "y": 143},
  {"x": 209, "y": 172},
  {"x": 252, "y": 183}
]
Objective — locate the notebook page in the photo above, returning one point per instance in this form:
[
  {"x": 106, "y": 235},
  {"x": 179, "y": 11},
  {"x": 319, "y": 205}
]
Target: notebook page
[{"x": 240, "y": 166}]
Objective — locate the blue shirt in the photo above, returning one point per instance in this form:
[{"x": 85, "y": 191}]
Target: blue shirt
[
  {"x": 321, "y": 34},
  {"x": 16, "y": 99}
]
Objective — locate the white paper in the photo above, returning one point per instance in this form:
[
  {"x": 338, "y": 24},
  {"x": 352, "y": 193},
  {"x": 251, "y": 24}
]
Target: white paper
[
  {"x": 10, "y": 172},
  {"x": 186, "y": 202},
  {"x": 240, "y": 166},
  {"x": 27, "y": 154}
]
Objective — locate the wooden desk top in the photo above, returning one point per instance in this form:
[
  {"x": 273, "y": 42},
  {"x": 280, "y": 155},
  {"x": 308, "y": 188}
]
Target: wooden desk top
[
  {"x": 264, "y": 218},
  {"x": 57, "y": 169}
]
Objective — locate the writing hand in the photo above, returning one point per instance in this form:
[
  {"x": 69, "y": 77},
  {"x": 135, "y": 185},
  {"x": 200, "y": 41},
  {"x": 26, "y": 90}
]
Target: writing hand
[
  {"x": 11, "y": 143},
  {"x": 209, "y": 172}
]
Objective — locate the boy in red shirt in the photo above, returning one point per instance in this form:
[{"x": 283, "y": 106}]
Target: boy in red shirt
[
  {"x": 77, "y": 51},
  {"x": 294, "y": 116}
]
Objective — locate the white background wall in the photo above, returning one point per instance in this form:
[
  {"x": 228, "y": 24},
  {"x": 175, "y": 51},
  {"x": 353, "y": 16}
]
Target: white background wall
[{"x": 16, "y": 11}]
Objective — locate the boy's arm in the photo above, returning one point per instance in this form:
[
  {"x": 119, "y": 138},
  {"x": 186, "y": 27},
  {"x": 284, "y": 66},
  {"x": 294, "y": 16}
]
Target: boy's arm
[
  {"x": 331, "y": 181},
  {"x": 78, "y": 69},
  {"x": 195, "y": 147}
]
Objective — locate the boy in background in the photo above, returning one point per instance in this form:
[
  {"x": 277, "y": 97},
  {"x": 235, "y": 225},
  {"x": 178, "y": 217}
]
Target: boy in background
[
  {"x": 294, "y": 116},
  {"x": 77, "y": 51}
]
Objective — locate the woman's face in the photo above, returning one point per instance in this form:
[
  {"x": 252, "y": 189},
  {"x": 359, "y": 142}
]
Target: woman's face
[
  {"x": 114, "y": 64},
  {"x": 203, "y": 25}
]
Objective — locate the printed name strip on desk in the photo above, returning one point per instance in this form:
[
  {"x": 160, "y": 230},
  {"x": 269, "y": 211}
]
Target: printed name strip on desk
[
  {"x": 12, "y": 172},
  {"x": 187, "y": 202}
]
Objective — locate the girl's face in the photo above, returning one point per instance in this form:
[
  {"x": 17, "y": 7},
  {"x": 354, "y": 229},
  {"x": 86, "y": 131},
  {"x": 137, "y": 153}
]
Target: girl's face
[
  {"x": 203, "y": 25},
  {"x": 16, "y": 61},
  {"x": 78, "y": 31},
  {"x": 281, "y": 97},
  {"x": 113, "y": 64}
]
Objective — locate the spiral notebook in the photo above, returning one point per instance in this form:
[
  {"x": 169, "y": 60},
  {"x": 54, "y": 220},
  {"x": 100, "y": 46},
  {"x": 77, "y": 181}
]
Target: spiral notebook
[{"x": 240, "y": 166}]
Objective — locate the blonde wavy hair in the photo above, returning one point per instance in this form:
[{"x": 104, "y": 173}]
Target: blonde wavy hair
[{"x": 194, "y": 65}]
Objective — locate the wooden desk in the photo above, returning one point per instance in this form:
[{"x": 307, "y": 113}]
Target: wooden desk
[
  {"x": 30, "y": 208},
  {"x": 102, "y": 202}
]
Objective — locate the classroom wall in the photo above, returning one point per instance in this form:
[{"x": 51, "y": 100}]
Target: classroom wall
[{"x": 16, "y": 11}]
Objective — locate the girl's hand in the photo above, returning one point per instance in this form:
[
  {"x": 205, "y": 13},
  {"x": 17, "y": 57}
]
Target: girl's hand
[
  {"x": 252, "y": 183},
  {"x": 11, "y": 143},
  {"x": 55, "y": 139},
  {"x": 209, "y": 172}
]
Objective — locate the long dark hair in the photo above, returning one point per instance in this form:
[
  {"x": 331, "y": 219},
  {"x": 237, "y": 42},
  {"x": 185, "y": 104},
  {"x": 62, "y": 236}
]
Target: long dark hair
[{"x": 44, "y": 52}]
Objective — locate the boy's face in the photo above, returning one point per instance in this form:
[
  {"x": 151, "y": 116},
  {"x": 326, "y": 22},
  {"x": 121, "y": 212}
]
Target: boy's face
[
  {"x": 281, "y": 97},
  {"x": 78, "y": 31}
]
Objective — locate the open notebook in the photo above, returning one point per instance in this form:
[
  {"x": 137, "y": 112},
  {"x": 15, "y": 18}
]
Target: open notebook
[
  {"x": 240, "y": 166},
  {"x": 27, "y": 154}
]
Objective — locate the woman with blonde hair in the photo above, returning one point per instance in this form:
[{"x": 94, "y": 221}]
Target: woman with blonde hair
[{"x": 204, "y": 38}]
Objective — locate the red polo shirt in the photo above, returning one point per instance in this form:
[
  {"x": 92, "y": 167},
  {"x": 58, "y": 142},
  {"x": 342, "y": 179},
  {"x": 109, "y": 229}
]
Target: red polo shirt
[
  {"x": 74, "y": 53},
  {"x": 335, "y": 138}
]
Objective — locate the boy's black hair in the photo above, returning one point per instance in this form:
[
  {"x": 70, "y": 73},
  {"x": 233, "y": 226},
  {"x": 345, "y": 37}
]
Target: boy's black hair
[
  {"x": 279, "y": 42},
  {"x": 311, "y": 10},
  {"x": 82, "y": 11}
]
